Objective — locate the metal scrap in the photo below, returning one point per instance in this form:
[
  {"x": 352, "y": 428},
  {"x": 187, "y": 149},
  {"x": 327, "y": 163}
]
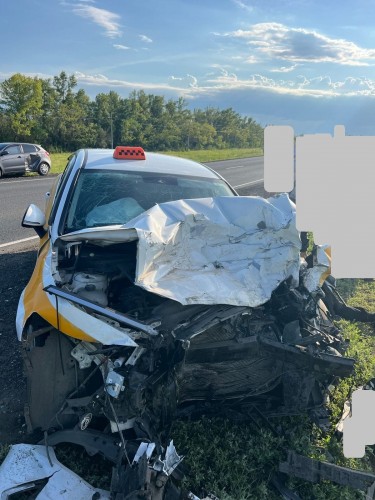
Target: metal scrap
[
  {"x": 26, "y": 466},
  {"x": 316, "y": 471}
]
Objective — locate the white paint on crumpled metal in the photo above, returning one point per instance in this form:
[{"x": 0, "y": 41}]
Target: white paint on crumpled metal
[
  {"x": 26, "y": 464},
  {"x": 102, "y": 235},
  {"x": 225, "y": 250},
  {"x": 313, "y": 275},
  {"x": 218, "y": 251}
]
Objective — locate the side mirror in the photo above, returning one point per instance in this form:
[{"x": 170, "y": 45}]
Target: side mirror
[
  {"x": 3, "y": 153},
  {"x": 35, "y": 218}
]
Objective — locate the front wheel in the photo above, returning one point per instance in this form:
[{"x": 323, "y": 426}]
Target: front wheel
[
  {"x": 43, "y": 168},
  {"x": 51, "y": 376}
]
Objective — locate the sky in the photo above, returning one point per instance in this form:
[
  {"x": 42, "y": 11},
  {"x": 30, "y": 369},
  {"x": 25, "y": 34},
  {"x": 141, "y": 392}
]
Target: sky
[{"x": 305, "y": 63}]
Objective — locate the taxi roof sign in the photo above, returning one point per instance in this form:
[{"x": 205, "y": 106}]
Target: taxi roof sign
[{"x": 129, "y": 153}]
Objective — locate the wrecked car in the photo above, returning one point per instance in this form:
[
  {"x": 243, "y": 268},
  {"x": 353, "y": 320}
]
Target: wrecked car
[
  {"x": 19, "y": 158},
  {"x": 160, "y": 293}
]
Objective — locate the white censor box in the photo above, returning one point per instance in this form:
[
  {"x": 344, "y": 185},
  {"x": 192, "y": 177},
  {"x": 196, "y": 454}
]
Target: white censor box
[{"x": 334, "y": 181}]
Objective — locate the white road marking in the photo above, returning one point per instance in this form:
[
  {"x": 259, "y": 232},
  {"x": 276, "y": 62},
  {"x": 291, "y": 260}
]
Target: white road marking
[
  {"x": 237, "y": 166},
  {"x": 249, "y": 183},
  {"x": 18, "y": 241}
]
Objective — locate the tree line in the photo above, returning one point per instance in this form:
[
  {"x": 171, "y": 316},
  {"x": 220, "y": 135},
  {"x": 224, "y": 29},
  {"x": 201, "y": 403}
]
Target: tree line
[{"x": 52, "y": 112}]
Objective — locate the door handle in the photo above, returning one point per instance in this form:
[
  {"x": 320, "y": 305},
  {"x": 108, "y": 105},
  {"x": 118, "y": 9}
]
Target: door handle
[{"x": 19, "y": 156}]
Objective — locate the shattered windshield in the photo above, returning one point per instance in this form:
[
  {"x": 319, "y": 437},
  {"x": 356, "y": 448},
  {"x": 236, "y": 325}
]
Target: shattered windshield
[{"x": 104, "y": 198}]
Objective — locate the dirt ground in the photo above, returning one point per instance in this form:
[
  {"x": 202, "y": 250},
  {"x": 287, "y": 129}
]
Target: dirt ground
[{"x": 16, "y": 266}]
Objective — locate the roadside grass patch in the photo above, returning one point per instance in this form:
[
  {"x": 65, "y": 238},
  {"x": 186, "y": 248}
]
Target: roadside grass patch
[
  {"x": 233, "y": 461},
  {"x": 207, "y": 155},
  {"x": 96, "y": 470},
  {"x": 59, "y": 162},
  {"x": 347, "y": 287},
  {"x": 364, "y": 295}
]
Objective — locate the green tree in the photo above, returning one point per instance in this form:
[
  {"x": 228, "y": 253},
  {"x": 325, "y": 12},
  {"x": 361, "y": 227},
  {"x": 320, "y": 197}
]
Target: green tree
[
  {"x": 64, "y": 85},
  {"x": 52, "y": 112},
  {"x": 75, "y": 127},
  {"x": 198, "y": 135},
  {"x": 108, "y": 111},
  {"x": 21, "y": 101},
  {"x": 44, "y": 126},
  {"x": 137, "y": 128}
]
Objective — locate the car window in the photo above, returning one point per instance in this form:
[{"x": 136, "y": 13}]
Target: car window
[
  {"x": 112, "y": 197},
  {"x": 13, "y": 150},
  {"x": 29, "y": 148}
]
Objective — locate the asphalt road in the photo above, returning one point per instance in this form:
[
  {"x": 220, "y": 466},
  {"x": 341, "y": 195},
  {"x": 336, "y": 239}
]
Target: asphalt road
[
  {"x": 242, "y": 173},
  {"x": 16, "y": 194},
  {"x": 246, "y": 175}
]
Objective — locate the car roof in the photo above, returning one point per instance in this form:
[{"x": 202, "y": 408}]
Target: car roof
[{"x": 155, "y": 162}]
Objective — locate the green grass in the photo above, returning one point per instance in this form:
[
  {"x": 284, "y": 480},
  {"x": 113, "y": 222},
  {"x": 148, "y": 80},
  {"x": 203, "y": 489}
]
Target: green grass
[
  {"x": 364, "y": 295},
  {"x": 205, "y": 155},
  {"x": 233, "y": 461},
  {"x": 59, "y": 160},
  {"x": 96, "y": 470}
]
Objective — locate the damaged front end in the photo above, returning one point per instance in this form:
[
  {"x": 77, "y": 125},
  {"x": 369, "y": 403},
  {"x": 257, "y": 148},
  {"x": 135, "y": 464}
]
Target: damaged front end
[{"x": 196, "y": 306}]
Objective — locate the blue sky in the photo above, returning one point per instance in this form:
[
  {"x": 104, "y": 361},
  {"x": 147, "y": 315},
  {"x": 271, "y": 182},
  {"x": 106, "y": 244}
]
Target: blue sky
[{"x": 309, "y": 64}]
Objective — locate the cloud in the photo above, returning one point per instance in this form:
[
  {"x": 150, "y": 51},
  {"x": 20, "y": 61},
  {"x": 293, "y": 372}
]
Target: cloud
[
  {"x": 318, "y": 86},
  {"x": 190, "y": 80},
  {"x": 120, "y": 47},
  {"x": 301, "y": 45},
  {"x": 222, "y": 81},
  {"x": 145, "y": 39},
  {"x": 103, "y": 81},
  {"x": 307, "y": 115},
  {"x": 104, "y": 18},
  {"x": 284, "y": 69},
  {"x": 243, "y": 5},
  {"x": 193, "y": 81}
]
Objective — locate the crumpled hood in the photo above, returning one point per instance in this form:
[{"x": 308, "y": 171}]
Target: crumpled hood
[{"x": 226, "y": 250}]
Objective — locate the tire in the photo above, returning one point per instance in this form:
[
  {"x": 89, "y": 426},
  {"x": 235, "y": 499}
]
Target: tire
[
  {"x": 1, "y": 173},
  {"x": 43, "y": 168}
]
